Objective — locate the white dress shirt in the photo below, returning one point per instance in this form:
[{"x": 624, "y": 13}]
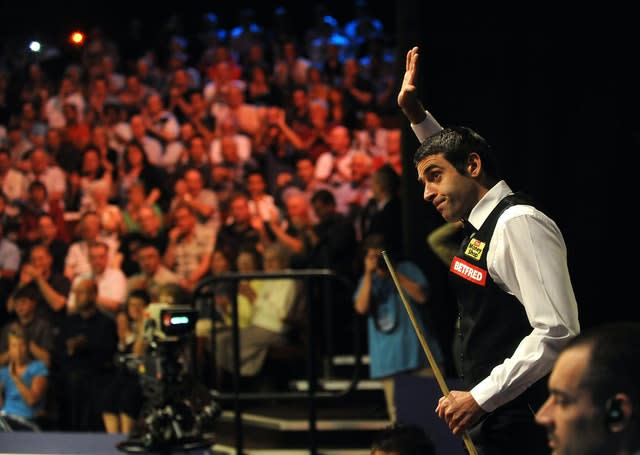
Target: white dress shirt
[{"x": 527, "y": 258}]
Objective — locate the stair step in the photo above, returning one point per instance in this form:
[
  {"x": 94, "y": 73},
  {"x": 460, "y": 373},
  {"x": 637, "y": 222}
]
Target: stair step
[
  {"x": 337, "y": 385},
  {"x": 345, "y": 360},
  {"x": 302, "y": 423},
  {"x": 343, "y": 426},
  {"x": 224, "y": 449}
]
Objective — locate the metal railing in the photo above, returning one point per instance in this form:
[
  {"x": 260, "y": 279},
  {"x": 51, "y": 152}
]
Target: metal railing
[{"x": 312, "y": 394}]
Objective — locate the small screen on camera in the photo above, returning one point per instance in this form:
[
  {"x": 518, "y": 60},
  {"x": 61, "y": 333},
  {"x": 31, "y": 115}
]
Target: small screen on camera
[{"x": 178, "y": 321}]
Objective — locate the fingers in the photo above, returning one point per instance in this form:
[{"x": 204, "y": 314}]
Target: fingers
[
  {"x": 452, "y": 415},
  {"x": 413, "y": 65},
  {"x": 411, "y": 55},
  {"x": 440, "y": 408}
]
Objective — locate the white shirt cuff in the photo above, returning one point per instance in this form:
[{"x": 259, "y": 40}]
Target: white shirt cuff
[{"x": 428, "y": 127}]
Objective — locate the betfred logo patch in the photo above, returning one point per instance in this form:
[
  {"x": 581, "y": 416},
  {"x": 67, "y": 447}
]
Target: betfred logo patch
[
  {"x": 474, "y": 249},
  {"x": 468, "y": 271}
]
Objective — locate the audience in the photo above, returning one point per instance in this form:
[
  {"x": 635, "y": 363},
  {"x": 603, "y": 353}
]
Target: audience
[{"x": 113, "y": 139}]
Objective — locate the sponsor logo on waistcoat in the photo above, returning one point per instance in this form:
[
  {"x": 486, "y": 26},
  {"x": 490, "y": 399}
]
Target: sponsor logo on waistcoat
[
  {"x": 468, "y": 271},
  {"x": 474, "y": 249}
]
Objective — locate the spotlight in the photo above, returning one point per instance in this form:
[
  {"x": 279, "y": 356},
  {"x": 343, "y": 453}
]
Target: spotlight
[
  {"x": 35, "y": 46},
  {"x": 77, "y": 38}
]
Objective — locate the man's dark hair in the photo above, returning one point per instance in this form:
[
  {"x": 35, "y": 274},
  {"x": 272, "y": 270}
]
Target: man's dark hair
[
  {"x": 37, "y": 185},
  {"x": 388, "y": 179},
  {"x": 141, "y": 294},
  {"x": 177, "y": 294},
  {"x": 325, "y": 197},
  {"x": 26, "y": 292},
  {"x": 404, "y": 439},
  {"x": 613, "y": 364},
  {"x": 455, "y": 144}
]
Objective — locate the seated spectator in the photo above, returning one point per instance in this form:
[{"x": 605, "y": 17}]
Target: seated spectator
[
  {"x": 12, "y": 182},
  {"x": 194, "y": 156},
  {"x": 190, "y": 247},
  {"x": 97, "y": 200},
  {"x": 372, "y": 137},
  {"x": 248, "y": 261},
  {"x": 333, "y": 237},
  {"x": 23, "y": 380},
  {"x": 223, "y": 182},
  {"x": 260, "y": 203},
  {"x": 210, "y": 309},
  {"x": 9, "y": 264},
  {"x": 93, "y": 173},
  {"x": 271, "y": 307},
  {"x": 37, "y": 329},
  {"x": 151, "y": 231},
  {"x": 111, "y": 282},
  {"x": 36, "y": 204},
  {"x": 229, "y": 128},
  {"x": 203, "y": 201},
  {"x": 135, "y": 167},
  {"x": 334, "y": 166},
  {"x": 49, "y": 288},
  {"x": 90, "y": 230},
  {"x": 9, "y": 218},
  {"x": 294, "y": 231},
  {"x": 240, "y": 231},
  {"x": 136, "y": 199},
  {"x": 57, "y": 242},
  {"x": 153, "y": 273},
  {"x": 51, "y": 175}
]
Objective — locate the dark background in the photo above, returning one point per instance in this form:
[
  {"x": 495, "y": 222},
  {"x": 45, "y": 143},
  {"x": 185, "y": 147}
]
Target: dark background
[{"x": 555, "y": 92}]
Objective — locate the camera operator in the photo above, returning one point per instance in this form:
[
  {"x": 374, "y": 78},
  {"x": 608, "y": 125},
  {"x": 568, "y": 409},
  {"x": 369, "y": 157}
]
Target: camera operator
[{"x": 123, "y": 398}]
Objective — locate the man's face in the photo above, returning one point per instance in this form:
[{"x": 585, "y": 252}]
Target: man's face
[
  {"x": 452, "y": 194},
  {"x": 185, "y": 220},
  {"x": 85, "y": 294},
  {"x": 98, "y": 258},
  {"x": 47, "y": 228},
  {"x": 575, "y": 426},
  {"x": 148, "y": 220},
  {"x": 240, "y": 210},
  {"x": 25, "y": 309},
  {"x": 149, "y": 260},
  {"x": 41, "y": 259}
]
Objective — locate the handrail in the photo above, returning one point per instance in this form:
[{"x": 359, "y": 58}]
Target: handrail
[{"x": 311, "y": 393}]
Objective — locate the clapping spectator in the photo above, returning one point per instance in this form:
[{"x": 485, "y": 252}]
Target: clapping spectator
[{"x": 23, "y": 380}]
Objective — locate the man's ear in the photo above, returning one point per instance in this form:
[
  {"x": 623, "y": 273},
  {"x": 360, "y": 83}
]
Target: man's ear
[
  {"x": 618, "y": 411},
  {"x": 474, "y": 164}
]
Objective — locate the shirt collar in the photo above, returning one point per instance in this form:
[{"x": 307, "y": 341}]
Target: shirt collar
[{"x": 489, "y": 201}]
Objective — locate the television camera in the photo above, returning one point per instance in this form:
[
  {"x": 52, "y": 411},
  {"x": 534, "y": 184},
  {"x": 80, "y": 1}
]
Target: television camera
[{"x": 178, "y": 413}]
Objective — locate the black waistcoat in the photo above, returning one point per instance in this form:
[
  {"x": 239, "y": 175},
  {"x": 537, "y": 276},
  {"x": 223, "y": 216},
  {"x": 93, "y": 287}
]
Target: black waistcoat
[{"x": 492, "y": 322}]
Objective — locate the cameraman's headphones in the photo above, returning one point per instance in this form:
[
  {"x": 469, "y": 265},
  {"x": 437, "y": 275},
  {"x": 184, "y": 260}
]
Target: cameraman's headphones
[{"x": 613, "y": 411}]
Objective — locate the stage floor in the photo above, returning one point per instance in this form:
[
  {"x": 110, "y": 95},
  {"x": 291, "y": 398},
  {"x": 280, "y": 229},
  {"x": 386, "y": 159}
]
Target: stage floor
[{"x": 49, "y": 443}]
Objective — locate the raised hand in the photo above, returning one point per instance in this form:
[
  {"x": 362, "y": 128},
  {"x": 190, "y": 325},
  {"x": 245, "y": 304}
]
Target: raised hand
[{"x": 408, "y": 97}]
